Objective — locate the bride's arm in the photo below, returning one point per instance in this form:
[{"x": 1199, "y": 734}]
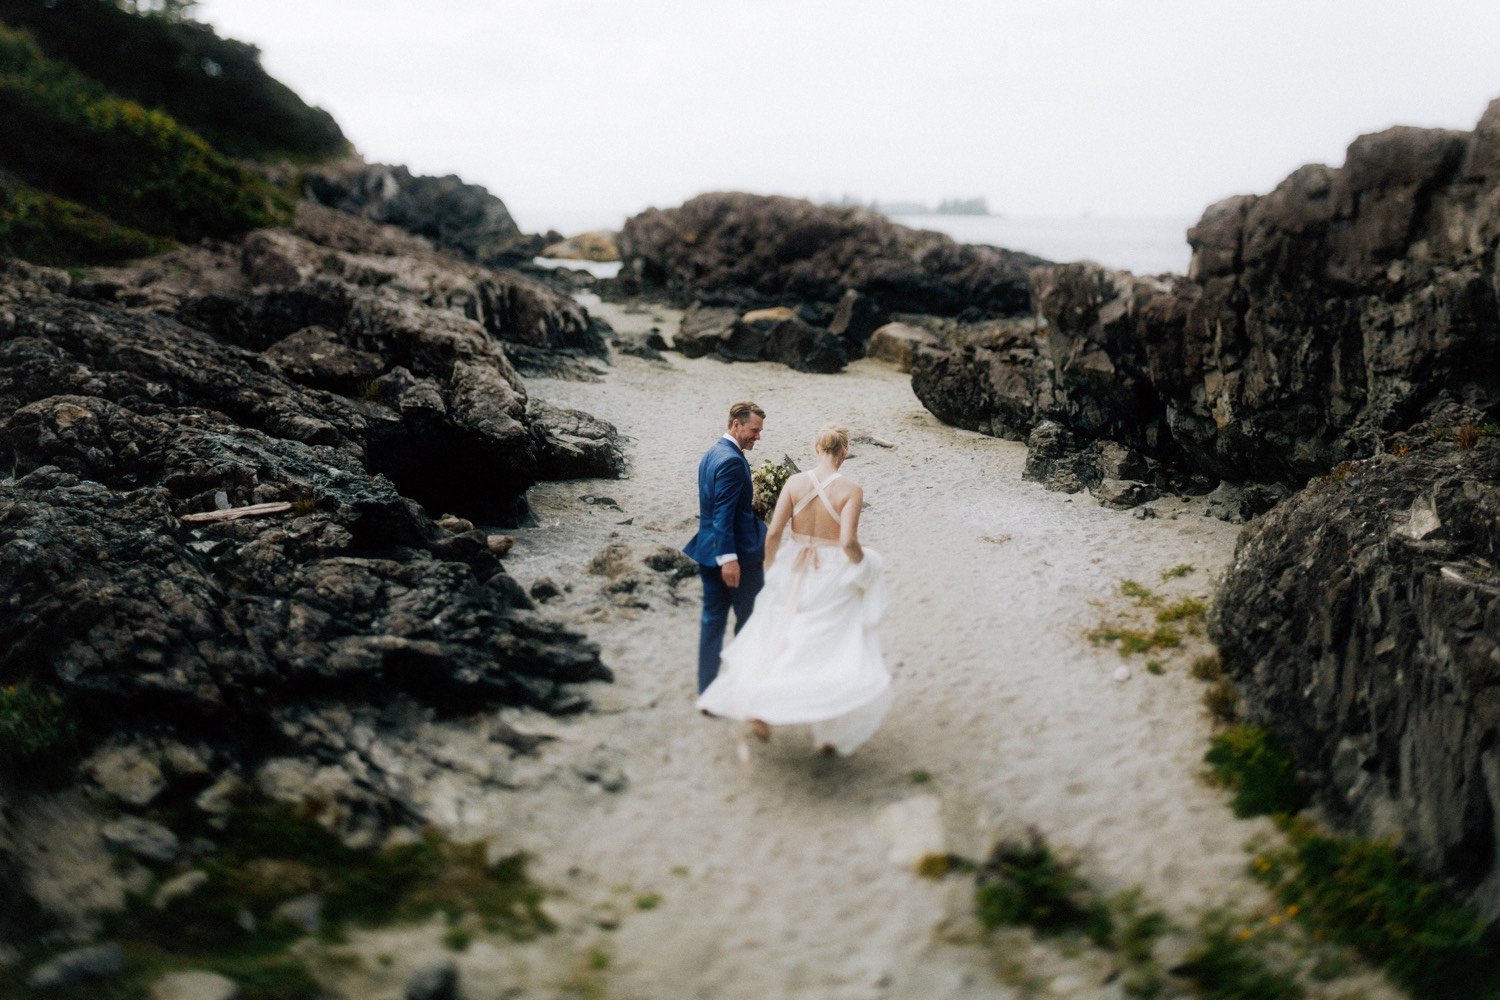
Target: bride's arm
[
  {"x": 779, "y": 517},
  {"x": 849, "y": 530}
]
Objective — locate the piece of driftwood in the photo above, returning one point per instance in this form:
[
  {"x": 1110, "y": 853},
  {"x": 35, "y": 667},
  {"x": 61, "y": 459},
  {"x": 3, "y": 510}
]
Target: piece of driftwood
[{"x": 234, "y": 513}]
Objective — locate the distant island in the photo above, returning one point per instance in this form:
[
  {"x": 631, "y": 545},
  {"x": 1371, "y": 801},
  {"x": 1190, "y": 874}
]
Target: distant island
[{"x": 948, "y": 206}]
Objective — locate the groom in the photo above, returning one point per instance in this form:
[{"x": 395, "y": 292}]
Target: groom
[{"x": 730, "y": 545}]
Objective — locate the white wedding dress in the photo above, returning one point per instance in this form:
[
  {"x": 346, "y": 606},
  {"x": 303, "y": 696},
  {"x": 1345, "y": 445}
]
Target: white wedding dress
[{"x": 809, "y": 653}]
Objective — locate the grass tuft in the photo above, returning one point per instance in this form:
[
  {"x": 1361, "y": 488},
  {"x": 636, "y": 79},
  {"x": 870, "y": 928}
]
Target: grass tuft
[
  {"x": 1249, "y": 761},
  {"x": 1369, "y": 895},
  {"x": 1225, "y": 966},
  {"x": 1028, "y": 884},
  {"x": 39, "y": 734}
]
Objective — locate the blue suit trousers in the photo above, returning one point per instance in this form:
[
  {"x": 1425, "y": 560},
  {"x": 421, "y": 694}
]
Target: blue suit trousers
[{"x": 717, "y": 600}]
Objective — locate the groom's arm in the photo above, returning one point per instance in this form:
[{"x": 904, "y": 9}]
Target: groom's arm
[{"x": 729, "y": 486}]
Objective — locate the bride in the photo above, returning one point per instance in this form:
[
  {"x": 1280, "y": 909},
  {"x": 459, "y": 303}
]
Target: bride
[{"x": 809, "y": 653}]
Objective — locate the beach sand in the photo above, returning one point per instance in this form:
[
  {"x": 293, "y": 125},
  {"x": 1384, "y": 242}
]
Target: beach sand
[{"x": 698, "y": 877}]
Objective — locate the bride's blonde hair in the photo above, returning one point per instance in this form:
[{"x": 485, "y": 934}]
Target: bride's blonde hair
[{"x": 833, "y": 440}]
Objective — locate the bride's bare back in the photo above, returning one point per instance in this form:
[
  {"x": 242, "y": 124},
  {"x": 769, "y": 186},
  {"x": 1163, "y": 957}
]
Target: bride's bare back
[{"x": 811, "y": 516}]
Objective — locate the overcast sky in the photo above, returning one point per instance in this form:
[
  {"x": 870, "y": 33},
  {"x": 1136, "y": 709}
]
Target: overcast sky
[{"x": 579, "y": 110}]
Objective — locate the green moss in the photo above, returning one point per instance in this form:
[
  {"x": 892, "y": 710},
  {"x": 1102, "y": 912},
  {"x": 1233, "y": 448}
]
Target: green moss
[
  {"x": 1224, "y": 966},
  {"x": 1189, "y": 609},
  {"x": 39, "y": 734},
  {"x": 268, "y": 854},
  {"x": 1369, "y": 895},
  {"x": 1139, "y": 593},
  {"x": 44, "y": 229},
  {"x": 458, "y": 938},
  {"x": 1221, "y": 700},
  {"x": 1206, "y": 668},
  {"x": 1134, "y": 640},
  {"x": 1027, "y": 884},
  {"x": 1250, "y": 762}
]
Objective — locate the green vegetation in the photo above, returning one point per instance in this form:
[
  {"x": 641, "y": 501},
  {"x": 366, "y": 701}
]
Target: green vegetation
[
  {"x": 269, "y": 854},
  {"x": 1206, "y": 668},
  {"x": 648, "y": 901},
  {"x": 1369, "y": 895},
  {"x": 1222, "y": 700},
  {"x": 1180, "y": 570},
  {"x": 1226, "y": 966},
  {"x": 1140, "y": 594},
  {"x": 1249, "y": 761},
  {"x": 45, "y": 229},
  {"x": 64, "y": 133},
  {"x": 214, "y": 86},
  {"x": 1028, "y": 884},
  {"x": 1155, "y": 667},
  {"x": 39, "y": 737},
  {"x": 1134, "y": 640},
  {"x": 1189, "y": 609}
]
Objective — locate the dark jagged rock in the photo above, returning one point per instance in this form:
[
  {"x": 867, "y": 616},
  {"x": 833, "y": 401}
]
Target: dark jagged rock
[
  {"x": 855, "y": 320},
  {"x": 704, "y": 329},
  {"x": 314, "y": 356},
  {"x": 1316, "y": 320},
  {"x": 781, "y": 335},
  {"x": 752, "y": 251},
  {"x": 990, "y": 388},
  {"x": 416, "y": 339},
  {"x": 572, "y": 444},
  {"x": 118, "y": 423},
  {"x": 464, "y": 218},
  {"x": 1361, "y": 620}
]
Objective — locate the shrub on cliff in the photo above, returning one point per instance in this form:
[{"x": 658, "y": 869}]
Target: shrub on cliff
[
  {"x": 45, "y": 229},
  {"x": 65, "y": 134},
  {"x": 216, "y": 86}
]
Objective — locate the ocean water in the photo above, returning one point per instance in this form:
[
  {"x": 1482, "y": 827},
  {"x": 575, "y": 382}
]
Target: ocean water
[{"x": 1142, "y": 245}]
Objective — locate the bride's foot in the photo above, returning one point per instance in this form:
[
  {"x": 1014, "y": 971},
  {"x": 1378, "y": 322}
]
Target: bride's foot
[{"x": 761, "y": 730}]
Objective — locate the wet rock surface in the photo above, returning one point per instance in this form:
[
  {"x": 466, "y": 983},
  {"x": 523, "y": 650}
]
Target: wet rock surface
[
  {"x": 121, "y": 421},
  {"x": 1361, "y": 621}
]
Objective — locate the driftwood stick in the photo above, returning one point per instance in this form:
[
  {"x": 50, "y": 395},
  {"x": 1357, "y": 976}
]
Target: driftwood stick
[{"x": 234, "y": 513}]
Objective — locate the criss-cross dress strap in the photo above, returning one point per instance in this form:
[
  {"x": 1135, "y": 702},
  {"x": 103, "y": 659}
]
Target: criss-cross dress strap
[{"x": 818, "y": 492}]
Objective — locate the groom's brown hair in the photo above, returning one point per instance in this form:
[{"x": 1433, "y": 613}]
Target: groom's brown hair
[{"x": 742, "y": 411}]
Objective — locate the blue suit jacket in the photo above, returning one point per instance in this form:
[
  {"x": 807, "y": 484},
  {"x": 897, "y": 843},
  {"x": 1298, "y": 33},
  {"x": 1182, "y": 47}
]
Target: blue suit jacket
[{"x": 726, "y": 521}]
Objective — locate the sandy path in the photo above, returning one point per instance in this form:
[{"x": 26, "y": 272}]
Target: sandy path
[{"x": 780, "y": 881}]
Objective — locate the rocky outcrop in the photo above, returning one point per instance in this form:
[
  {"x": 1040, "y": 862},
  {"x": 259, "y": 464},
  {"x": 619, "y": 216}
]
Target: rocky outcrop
[
  {"x": 988, "y": 386},
  {"x": 1316, "y": 320},
  {"x": 119, "y": 423},
  {"x": 1361, "y": 620},
  {"x": 779, "y": 334},
  {"x": 774, "y": 334},
  {"x": 417, "y": 343},
  {"x": 463, "y": 218},
  {"x": 752, "y": 251}
]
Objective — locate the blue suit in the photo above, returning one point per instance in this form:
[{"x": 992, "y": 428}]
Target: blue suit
[{"x": 726, "y": 524}]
